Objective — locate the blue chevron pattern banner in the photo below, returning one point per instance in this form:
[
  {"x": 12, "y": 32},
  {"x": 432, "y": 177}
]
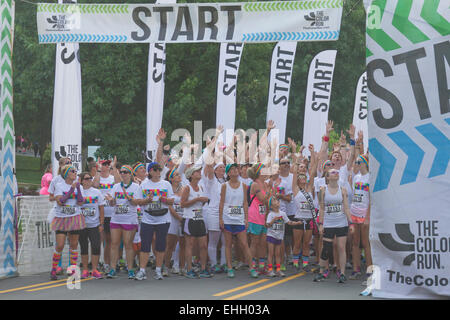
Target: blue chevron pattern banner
[
  {"x": 409, "y": 144},
  {"x": 265, "y": 21}
]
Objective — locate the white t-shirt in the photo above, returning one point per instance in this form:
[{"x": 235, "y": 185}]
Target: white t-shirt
[
  {"x": 290, "y": 206},
  {"x": 277, "y": 229},
  {"x": 124, "y": 211},
  {"x": 52, "y": 188},
  {"x": 93, "y": 198},
  {"x": 360, "y": 201},
  {"x": 155, "y": 190},
  {"x": 283, "y": 189},
  {"x": 70, "y": 208},
  {"x": 106, "y": 185}
]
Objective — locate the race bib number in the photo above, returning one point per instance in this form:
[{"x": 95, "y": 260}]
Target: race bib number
[
  {"x": 262, "y": 209},
  {"x": 198, "y": 214},
  {"x": 122, "y": 209},
  {"x": 235, "y": 210},
  {"x": 333, "y": 208},
  {"x": 177, "y": 208},
  {"x": 154, "y": 205},
  {"x": 88, "y": 212},
  {"x": 357, "y": 197},
  {"x": 305, "y": 206},
  {"x": 67, "y": 209},
  {"x": 278, "y": 226}
]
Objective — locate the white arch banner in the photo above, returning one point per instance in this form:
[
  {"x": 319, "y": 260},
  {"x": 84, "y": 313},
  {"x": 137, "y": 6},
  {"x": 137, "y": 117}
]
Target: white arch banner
[{"x": 190, "y": 22}]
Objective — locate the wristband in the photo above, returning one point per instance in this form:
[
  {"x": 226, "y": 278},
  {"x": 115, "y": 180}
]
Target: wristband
[
  {"x": 326, "y": 139},
  {"x": 352, "y": 142}
]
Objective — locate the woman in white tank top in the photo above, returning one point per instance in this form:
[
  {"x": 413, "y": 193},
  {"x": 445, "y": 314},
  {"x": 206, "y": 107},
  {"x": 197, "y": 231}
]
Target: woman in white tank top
[
  {"x": 334, "y": 218},
  {"x": 192, "y": 201},
  {"x": 233, "y": 215}
]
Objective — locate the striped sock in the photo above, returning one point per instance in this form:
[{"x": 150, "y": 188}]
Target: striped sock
[
  {"x": 269, "y": 267},
  {"x": 296, "y": 258},
  {"x": 56, "y": 259},
  {"x": 261, "y": 263},
  {"x": 305, "y": 260},
  {"x": 278, "y": 266},
  {"x": 253, "y": 263},
  {"x": 73, "y": 257},
  {"x": 60, "y": 262}
]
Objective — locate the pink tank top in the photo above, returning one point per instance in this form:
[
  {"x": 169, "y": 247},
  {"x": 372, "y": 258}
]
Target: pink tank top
[{"x": 257, "y": 210}]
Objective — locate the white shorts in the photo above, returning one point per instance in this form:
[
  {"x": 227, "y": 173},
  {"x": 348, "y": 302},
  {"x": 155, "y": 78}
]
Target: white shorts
[
  {"x": 175, "y": 228},
  {"x": 212, "y": 221}
]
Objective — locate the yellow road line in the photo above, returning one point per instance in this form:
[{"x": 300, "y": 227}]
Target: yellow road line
[
  {"x": 31, "y": 286},
  {"x": 58, "y": 285},
  {"x": 240, "y": 288},
  {"x": 270, "y": 285}
]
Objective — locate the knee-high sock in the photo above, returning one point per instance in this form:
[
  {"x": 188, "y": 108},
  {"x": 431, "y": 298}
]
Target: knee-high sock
[
  {"x": 56, "y": 259},
  {"x": 214, "y": 237}
]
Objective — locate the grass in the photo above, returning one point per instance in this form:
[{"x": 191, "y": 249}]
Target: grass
[{"x": 27, "y": 170}]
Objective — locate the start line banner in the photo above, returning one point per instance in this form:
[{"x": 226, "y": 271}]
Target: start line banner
[{"x": 189, "y": 23}]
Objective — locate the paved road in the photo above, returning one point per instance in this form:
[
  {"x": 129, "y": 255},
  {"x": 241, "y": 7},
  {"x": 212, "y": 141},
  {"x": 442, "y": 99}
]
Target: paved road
[{"x": 295, "y": 286}]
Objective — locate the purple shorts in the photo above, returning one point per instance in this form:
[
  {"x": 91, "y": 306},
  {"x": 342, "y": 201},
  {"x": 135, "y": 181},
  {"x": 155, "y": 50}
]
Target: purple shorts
[
  {"x": 273, "y": 240},
  {"x": 126, "y": 227}
]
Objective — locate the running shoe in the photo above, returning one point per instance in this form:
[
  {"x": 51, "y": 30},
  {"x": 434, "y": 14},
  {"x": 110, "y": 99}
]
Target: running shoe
[
  {"x": 97, "y": 275},
  {"x": 158, "y": 276},
  {"x": 348, "y": 265},
  {"x": 131, "y": 274},
  {"x": 342, "y": 278},
  {"x": 224, "y": 268},
  {"x": 111, "y": 274},
  {"x": 230, "y": 273},
  {"x": 53, "y": 275},
  {"x": 271, "y": 274},
  {"x": 117, "y": 268},
  {"x": 165, "y": 271},
  {"x": 175, "y": 270},
  {"x": 196, "y": 267},
  {"x": 205, "y": 274},
  {"x": 295, "y": 265},
  {"x": 85, "y": 274},
  {"x": 319, "y": 277},
  {"x": 307, "y": 268},
  {"x": 240, "y": 265},
  {"x": 326, "y": 274},
  {"x": 183, "y": 272},
  {"x": 141, "y": 275},
  {"x": 253, "y": 273},
  {"x": 217, "y": 269},
  {"x": 59, "y": 271},
  {"x": 191, "y": 275},
  {"x": 106, "y": 268},
  {"x": 356, "y": 275},
  {"x": 280, "y": 274}
]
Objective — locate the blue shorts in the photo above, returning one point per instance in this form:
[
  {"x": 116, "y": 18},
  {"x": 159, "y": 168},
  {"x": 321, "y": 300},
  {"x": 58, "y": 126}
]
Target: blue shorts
[
  {"x": 256, "y": 229},
  {"x": 234, "y": 228}
]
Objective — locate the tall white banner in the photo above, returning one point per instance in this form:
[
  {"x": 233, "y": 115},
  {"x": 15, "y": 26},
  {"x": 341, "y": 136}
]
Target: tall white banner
[
  {"x": 360, "y": 110},
  {"x": 229, "y": 60},
  {"x": 190, "y": 22},
  {"x": 283, "y": 56},
  {"x": 67, "y": 106},
  {"x": 318, "y": 94},
  {"x": 155, "y": 92},
  {"x": 408, "y": 72}
]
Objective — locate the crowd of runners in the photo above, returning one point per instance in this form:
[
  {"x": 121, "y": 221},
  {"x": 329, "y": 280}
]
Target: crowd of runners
[{"x": 223, "y": 212}]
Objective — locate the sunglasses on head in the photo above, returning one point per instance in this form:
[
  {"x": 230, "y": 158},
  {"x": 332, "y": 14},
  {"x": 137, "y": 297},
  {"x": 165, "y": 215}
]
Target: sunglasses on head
[
  {"x": 69, "y": 162},
  {"x": 334, "y": 172},
  {"x": 285, "y": 163},
  {"x": 125, "y": 172},
  {"x": 105, "y": 164},
  {"x": 72, "y": 171},
  {"x": 89, "y": 178},
  {"x": 358, "y": 162}
]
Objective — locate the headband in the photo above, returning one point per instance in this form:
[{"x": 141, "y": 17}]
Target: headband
[
  {"x": 284, "y": 146},
  {"x": 324, "y": 164},
  {"x": 258, "y": 169},
  {"x": 172, "y": 172},
  {"x": 67, "y": 171},
  {"x": 364, "y": 159},
  {"x": 127, "y": 167},
  {"x": 137, "y": 167}
]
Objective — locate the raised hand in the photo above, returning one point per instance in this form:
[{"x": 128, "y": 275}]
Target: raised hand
[
  {"x": 329, "y": 127},
  {"x": 270, "y": 125},
  {"x": 351, "y": 131}
]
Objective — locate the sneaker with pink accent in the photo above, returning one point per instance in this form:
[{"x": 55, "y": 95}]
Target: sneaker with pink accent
[
  {"x": 53, "y": 275},
  {"x": 85, "y": 274},
  {"x": 59, "y": 271},
  {"x": 97, "y": 275}
]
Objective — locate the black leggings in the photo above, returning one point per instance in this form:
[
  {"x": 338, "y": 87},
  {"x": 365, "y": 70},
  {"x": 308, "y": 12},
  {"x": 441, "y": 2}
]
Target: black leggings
[{"x": 91, "y": 235}]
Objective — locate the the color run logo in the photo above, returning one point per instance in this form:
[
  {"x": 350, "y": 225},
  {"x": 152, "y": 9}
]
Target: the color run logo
[{"x": 428, "y": 248}]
